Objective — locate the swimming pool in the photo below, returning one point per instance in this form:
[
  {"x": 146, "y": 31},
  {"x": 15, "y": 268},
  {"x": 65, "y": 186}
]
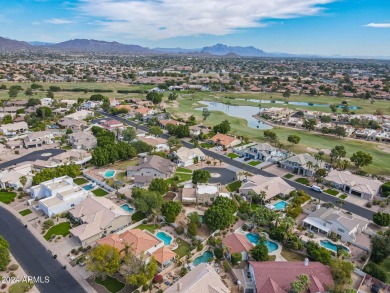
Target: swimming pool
[
  {"x": 280, "y": 205},
  {"x": 127, "y": 208},
  {"x": 254, "y": 239},
  {"x": 109, "y": 173},
  {"x": 203, "y": 258},
  {"x": 164, "y": 237},
  {"x": 331, "y": 246},
  {"x": 88, "y": 187}
]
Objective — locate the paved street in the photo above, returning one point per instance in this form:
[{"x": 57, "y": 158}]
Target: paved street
[
  {"x": 33, "y": 156},
  {"x": 34, "y": 257},
  {"x": 358, "y": 210}
]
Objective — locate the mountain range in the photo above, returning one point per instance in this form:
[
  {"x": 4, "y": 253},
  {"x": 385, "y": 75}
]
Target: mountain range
[{"x": 96, "y": 46}]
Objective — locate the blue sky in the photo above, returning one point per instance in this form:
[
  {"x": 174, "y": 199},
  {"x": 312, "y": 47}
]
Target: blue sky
[{"x": 326, "y": 27}]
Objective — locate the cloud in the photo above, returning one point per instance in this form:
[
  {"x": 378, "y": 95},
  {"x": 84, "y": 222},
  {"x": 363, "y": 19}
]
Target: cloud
[
  {"x": 380, "y": 25},
  {"x": 58, "y": 21},
  {"x": 144, "y": 19}
]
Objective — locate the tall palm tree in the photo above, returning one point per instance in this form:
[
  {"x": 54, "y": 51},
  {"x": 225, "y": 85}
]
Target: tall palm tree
[
  {"x": 309, "y": 165},
  {"x": 340, "y": 203},
  {"x": 263, "y": 196},
  {"x": 288, "y": 222},
  {"x": 305, "y": 281}
]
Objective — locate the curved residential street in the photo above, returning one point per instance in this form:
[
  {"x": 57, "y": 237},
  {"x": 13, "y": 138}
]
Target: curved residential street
[
  {"x": 34, "y": 257},
  {"x": 358, "y": 210},
  {"x": 33, "y": 156}
]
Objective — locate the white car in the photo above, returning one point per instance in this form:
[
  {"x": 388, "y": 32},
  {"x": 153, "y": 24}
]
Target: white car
[{"x": 316, "y": 188}]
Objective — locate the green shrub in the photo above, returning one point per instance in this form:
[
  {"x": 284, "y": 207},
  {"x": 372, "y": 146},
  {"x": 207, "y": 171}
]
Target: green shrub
[
  {"x": 13, "y": 267},
  {"x": 375, "y": 271},
  {"x": 235, "y": 258}
]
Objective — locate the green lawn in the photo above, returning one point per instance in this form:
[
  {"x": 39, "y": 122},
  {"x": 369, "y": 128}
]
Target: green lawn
[
  {"x": 385, "y": 266},
  {"x": 150, "y": 227},
  {"x": 232, "y": 155},
  {"x": 183, "y": 170},
  {"x": 254, "y": 163},
  {"x": 332, "y": 192},
  {"x": 20, "y": 287},
  {"x": 25, "y": 212},
  {"x": 138, "y": 216},
  {"x": 80, "y": 181},
  {"x": 290, "y": 255},
  {"x": 183, "y": 177},
  {"x": 206, "y": 145},
  {"x": 59, "y": 229},
  {"x": 183, "y": 249},
  {"x": 99, "y": 192},
  {"x": 288, "y": 176},
  {"x": 343, "y": 196},
  {"x": 302, "y": 180},
  {"x": 7, "y": 197},
  {"x": 112, "y": 285},
  {"x": 381, "y": 159},
  {"x": 234, "y": 186}
]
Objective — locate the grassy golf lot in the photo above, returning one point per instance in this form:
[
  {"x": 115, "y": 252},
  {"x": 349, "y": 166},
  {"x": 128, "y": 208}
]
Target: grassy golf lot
[
  {"x": 59, "y": 229},
  {"x": 309, "y": 140},
  {"x": 7, "y": 197}
]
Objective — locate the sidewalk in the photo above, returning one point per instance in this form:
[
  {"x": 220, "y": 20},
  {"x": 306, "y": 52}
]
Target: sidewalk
[{"x": 75, "y": 274}]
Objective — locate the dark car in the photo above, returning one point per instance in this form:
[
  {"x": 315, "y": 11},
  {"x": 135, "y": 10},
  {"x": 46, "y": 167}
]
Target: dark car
[
  {"x": 375, "y": 288},
  {"x": 246, "y": 159}
]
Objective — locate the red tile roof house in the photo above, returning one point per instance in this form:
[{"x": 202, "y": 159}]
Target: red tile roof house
[
  {"x": 111, "y": 124},
  {"x": 237, "y": 243},
  {"x": 276, "y": 277}
]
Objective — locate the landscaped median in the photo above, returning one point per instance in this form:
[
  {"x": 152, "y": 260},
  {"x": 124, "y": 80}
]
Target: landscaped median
[{"x": 25, "y": 212}]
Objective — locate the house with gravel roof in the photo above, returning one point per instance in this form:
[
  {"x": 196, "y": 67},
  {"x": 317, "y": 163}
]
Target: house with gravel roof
[
  {"x": 155, "y": 166},
  {"x": 98, "y": 216},
  {"x": 272, "y": 186},
  {"x": 350, "y": 183},
  {"x": 302, "y": 164},
  {"x": 203, "y": 278},
  {"x": 325, "y": 220}
]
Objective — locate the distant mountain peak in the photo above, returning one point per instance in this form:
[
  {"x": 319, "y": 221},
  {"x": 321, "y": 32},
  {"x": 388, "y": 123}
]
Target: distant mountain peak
[
  {"x": 8, "y": 44},
  {"x": 221, "y": 49}
]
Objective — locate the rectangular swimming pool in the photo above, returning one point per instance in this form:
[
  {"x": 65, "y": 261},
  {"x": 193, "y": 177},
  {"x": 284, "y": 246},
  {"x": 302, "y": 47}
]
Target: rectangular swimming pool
[{"x": 280, "y": 205}]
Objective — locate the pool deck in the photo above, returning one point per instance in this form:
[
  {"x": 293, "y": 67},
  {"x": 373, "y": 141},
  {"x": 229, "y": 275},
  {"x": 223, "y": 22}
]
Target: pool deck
[{"x": 277, "y": 252}]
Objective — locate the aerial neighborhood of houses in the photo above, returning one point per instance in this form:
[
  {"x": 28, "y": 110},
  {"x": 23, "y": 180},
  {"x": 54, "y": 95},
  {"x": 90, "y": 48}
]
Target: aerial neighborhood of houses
[{"x": 141, "y": 190}]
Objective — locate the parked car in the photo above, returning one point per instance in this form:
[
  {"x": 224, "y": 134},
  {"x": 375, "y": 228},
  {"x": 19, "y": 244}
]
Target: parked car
[
  {"x": 316, "y": 188},
  {"x": 375, "y": 288}
]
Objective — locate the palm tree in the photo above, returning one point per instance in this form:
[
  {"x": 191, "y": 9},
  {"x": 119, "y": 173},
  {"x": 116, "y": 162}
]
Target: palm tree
[
  {"x": 340, "y": 203},
  {"x": 262, "y": 196},
  {"x": 23, "y": 180},
  {"x": 249, "y": 196},
  {"x": 309, "y": 165},
  {"x": 289, "y": 223},
  {"x": 301, "y": 284}
]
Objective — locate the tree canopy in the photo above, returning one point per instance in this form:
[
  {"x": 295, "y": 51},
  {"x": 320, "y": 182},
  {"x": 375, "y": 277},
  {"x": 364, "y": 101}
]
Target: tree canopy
[
  {"x": 71, "y": 170},
  {"x": 154, "y": 97},
  {"x": 170, "y": 210},
  {"x": 104, "y": 260},
  {"x": 260, "y": 252},
  {"x": 147, "y": 201},
  {"x": 159, "y": 185},
  {"x": 223, "y": 127},
  {"x": 220, "y": 214},
  {"x": 200, "y": 176},
  {"x": 361, "y": 159},
  {"x": 4, "y": 254}
]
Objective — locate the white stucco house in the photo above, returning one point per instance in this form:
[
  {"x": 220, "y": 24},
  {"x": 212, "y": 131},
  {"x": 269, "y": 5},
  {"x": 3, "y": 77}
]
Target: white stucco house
[{"x": 58, "y": 195}]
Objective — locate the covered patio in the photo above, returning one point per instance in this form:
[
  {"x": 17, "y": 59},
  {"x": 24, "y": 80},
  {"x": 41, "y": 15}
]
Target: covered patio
[{"x": 315, "y": 226}]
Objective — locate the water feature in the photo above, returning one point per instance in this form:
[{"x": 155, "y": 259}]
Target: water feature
[
  {"x": 127, "y": 208},
  {"x": 245, "y": 112},
  {"x": 331, "y": 246},
  {"x": 280, "y": 205},
  {"x": 254, "y": 239},
  {"x": 164, "y": 237},
  {"x": 88, "y": 187},
  {"x": 203, "y": 258},
  {"x": 305, "y": 104},
  {"x": 109, "y": 173}
]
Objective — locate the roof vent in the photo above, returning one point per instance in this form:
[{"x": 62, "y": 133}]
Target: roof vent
[
  {"x": 179, "y": 286},
  {"x": 306, "y": 262}
]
